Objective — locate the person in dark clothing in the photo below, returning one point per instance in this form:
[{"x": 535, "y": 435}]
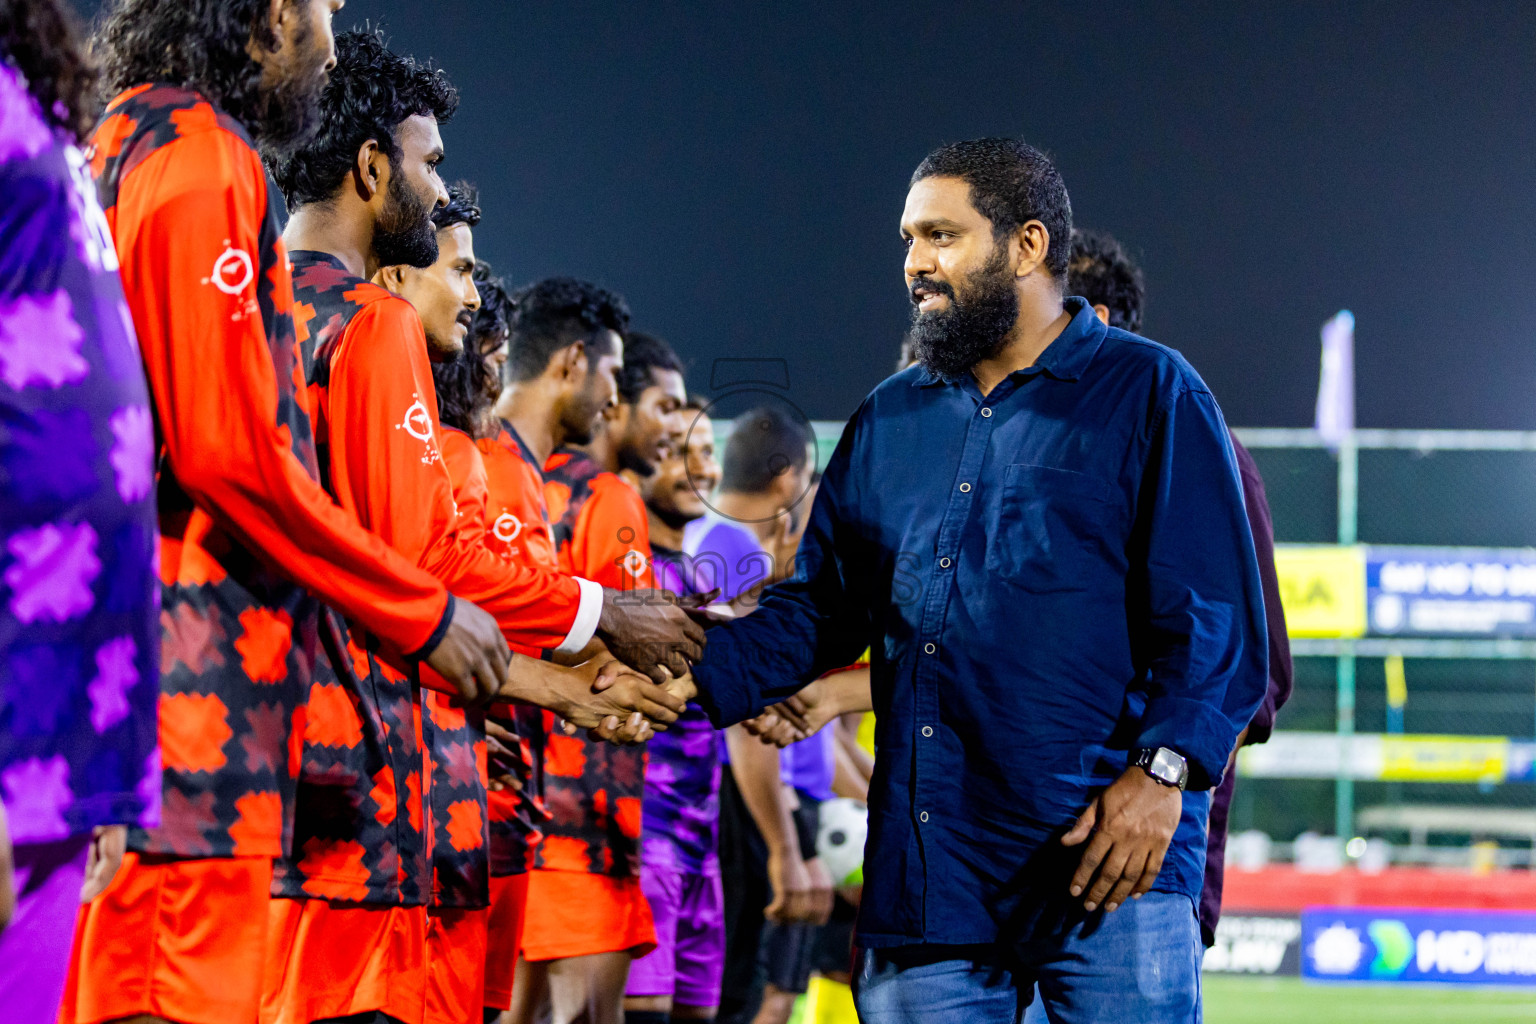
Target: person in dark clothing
[{"x": 1103, "y": 273}]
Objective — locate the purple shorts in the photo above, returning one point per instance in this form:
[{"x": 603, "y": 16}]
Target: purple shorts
[
  {"x": 34, "y": 950},
  {"x": 688, "y": 909}
]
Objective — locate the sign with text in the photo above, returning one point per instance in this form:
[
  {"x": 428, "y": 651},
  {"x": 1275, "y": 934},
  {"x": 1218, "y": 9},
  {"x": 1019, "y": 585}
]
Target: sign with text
[
  {"x": 1386, "y": 944},
  {"x": 1260, "y": 944},
  {"x": 1322, "y": 588},
  {"x": 1486, "y": 592}
]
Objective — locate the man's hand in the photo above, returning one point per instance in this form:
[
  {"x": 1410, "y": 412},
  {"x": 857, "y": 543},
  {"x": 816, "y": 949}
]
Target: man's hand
[
  {"x": 472, "y": 655},
  {"x": 503, "y": 757},
  {"x": 650, "y": 631},
  {"x": 1135, "y": 818},
  {"x": 108, "y": 844},
  {"x": 610, "y": 694},
  {"x": 802, "y": 889},
  {"x": 809, "y": 711}
]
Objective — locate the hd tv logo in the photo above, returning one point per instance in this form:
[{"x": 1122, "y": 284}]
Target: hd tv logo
[{"x": 1489, "y": 948}]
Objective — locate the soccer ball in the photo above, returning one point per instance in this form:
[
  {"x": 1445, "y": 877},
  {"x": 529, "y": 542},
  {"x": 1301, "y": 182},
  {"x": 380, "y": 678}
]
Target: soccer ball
[{"x": 840, "y": 840}]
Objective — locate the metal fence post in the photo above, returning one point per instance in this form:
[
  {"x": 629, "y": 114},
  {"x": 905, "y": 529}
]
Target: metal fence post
[{"x": 1349, "y": 521}]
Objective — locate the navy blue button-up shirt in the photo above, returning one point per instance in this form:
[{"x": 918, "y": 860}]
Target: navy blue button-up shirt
[{"x": 1049, "y": 577}]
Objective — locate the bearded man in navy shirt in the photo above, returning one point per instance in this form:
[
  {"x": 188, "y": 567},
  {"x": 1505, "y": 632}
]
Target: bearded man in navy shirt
[{"x": 1039, "y": 532}]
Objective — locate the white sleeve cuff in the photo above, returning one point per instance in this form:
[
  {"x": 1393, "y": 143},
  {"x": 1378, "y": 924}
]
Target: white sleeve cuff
[{"x": 587, "y": 615}]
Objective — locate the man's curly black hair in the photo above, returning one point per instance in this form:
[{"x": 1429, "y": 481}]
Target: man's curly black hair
[
  {"x": 1012, "y": 183},
  {"x": 644, "y": 354},
  {"x": 40, "y": 38},
  {"x": 372, "y": 91},
  {"x": 1102, "y": 272},
  {"x": 555, "y": 313},
  {"x": 466, "y": 388},
  {"x": 463, "y": 208},
  {"x": 196, "y": 44}
]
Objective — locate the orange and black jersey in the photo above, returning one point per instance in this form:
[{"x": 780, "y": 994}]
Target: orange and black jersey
[
  {"x": 377, "y": 426},
  {"x": 457, "y": 751},
  {"x": 517, "y": 529},
  {"x": 249, "y": 540},
  {"x": 593, "y": 789}
]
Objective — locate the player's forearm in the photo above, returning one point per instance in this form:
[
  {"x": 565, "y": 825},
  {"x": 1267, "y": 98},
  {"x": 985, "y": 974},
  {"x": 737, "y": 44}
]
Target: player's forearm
[
  {"x": 261, "y": 494},
  {"x": 755, "y": 766}
]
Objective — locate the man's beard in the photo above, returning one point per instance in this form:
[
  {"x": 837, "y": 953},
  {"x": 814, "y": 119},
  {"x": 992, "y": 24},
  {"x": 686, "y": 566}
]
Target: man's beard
[
  {"x": 405, "y": 235},
  {"x": 673, "y": 517},
  {"x": 950, "y": 341},
  {"x": 290, "y": 114},
  {"x": 582, "y": 419},
  {"x": 631, "y": 459}
]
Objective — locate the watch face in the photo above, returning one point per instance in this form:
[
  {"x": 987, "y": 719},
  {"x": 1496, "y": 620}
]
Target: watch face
[{"x": 1167, "y": 765}]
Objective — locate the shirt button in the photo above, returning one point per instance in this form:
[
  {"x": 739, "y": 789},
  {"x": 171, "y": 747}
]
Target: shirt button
[
  {"x": 965, "y": 488},
  {"x": 929, "y": 648},
  {"x": 943, "y": 563},
  {"x": 923, "y": 816},
  {"x": 986, "y": 414},
  {"x": 927, "y": 730}
]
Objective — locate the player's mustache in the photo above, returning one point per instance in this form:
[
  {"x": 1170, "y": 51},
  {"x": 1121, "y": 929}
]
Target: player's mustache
[{"x": 929, "y": 284}]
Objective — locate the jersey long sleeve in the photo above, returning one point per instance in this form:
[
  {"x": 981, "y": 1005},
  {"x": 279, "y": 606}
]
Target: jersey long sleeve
[
  {"x": 383, "y": 436},
  {"x": 186, "y": 245}
]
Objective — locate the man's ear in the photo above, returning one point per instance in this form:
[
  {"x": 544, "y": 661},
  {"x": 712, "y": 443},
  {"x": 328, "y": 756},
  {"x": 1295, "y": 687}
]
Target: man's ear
[
  {"x": 573, "y": 360},
  {"x": 1102, "y": 312},
  {"x": 370, "y": 171},
  {"x": 392, "y": 278},
  {"x": 1031, "y": 242}
]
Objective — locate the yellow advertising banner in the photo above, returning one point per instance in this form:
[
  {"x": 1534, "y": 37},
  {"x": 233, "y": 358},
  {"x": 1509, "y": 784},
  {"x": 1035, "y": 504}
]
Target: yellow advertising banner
[
  {"x": 1444, "y": 758},
  {"x": 1322, "y": 588}
]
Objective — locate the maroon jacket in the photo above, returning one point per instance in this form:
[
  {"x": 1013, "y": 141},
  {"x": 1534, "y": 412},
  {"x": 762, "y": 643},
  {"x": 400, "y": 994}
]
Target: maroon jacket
[{"x": 1279, "y": 692}]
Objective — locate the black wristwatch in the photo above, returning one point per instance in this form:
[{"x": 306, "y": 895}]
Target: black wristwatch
[{"x": 1163, "y": 765}]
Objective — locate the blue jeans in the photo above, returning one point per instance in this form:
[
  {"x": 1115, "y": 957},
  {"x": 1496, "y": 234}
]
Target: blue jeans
[{"x": 1140, "y": 963}]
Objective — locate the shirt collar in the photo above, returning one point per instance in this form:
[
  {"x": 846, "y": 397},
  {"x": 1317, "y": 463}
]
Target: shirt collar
[{"x": 1067, "y": 357}]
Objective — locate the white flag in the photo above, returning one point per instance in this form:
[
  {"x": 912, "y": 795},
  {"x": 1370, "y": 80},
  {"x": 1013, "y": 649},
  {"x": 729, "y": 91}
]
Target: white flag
[{"x": 1336, "y": 389}]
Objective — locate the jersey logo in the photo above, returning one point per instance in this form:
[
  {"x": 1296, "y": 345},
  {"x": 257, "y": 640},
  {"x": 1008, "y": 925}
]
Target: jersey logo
[
  {"x": 634, "y": 563},
  {"x": 507, "y": 527},
  {"x": 233, "y": 271},
  {"x": 418, "y": 422}
]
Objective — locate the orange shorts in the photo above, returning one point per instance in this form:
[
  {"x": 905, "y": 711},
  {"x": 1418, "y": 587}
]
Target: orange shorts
[
  {"x": 335, "y": 959},
  {"x": 574, "y": 913},
  {"x": 455, "y": 965},
  {"x": 504, "y": 939},
  {"x": 172, "y": 938}
]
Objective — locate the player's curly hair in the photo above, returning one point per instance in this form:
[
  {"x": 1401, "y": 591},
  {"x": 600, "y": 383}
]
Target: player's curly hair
[
  {"x": 555, "y": 313},
  {"x": 644, "y": 354},
  {"x": 466, "y": 389},
  {"x": 1102, "y": 272},
  {"x": 1012, "y": 183},
  {"x": 196, "y": 44},
  {"x": 371, "y": 93},
  {"x": 40, "y": 38},
  {"x": 463, "y": 208}
]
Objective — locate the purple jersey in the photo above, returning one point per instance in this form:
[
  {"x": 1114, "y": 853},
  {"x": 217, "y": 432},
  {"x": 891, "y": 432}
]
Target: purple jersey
[
  {"x": 682, "y": 780},
  {"x": 809, "y": 765},
  {"x": 79, "y": 635}
]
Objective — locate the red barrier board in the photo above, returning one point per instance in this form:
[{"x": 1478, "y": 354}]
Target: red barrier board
[{"x": 1283, "y": 888}]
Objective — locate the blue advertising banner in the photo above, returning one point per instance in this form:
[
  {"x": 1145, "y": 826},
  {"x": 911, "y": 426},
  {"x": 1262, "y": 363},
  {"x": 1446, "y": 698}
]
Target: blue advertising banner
[
  {"x": 1385, "y": 944},
  {"x": 1484, "y": 592}
]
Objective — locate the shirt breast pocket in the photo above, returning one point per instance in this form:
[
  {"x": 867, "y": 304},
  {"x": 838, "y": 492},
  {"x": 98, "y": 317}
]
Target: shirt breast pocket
[{"x": 1052, "y": 528}]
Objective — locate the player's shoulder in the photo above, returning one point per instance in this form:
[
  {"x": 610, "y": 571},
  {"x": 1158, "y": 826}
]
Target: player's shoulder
[
  {"x": 1124, "y": 353},
  {"x": 324, "y": 282},
  {"x": 572, "y": 467},
  {"x": 152, "y": 116}
]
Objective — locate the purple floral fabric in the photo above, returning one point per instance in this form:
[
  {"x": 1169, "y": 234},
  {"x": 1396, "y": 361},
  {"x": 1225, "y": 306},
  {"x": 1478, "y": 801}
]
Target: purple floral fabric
[
  {"x": 681, "y": 807},
  {"x": 79, "y": 598}
]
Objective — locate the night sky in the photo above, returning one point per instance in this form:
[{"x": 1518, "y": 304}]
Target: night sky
[{"x": 737, "y": 171}]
